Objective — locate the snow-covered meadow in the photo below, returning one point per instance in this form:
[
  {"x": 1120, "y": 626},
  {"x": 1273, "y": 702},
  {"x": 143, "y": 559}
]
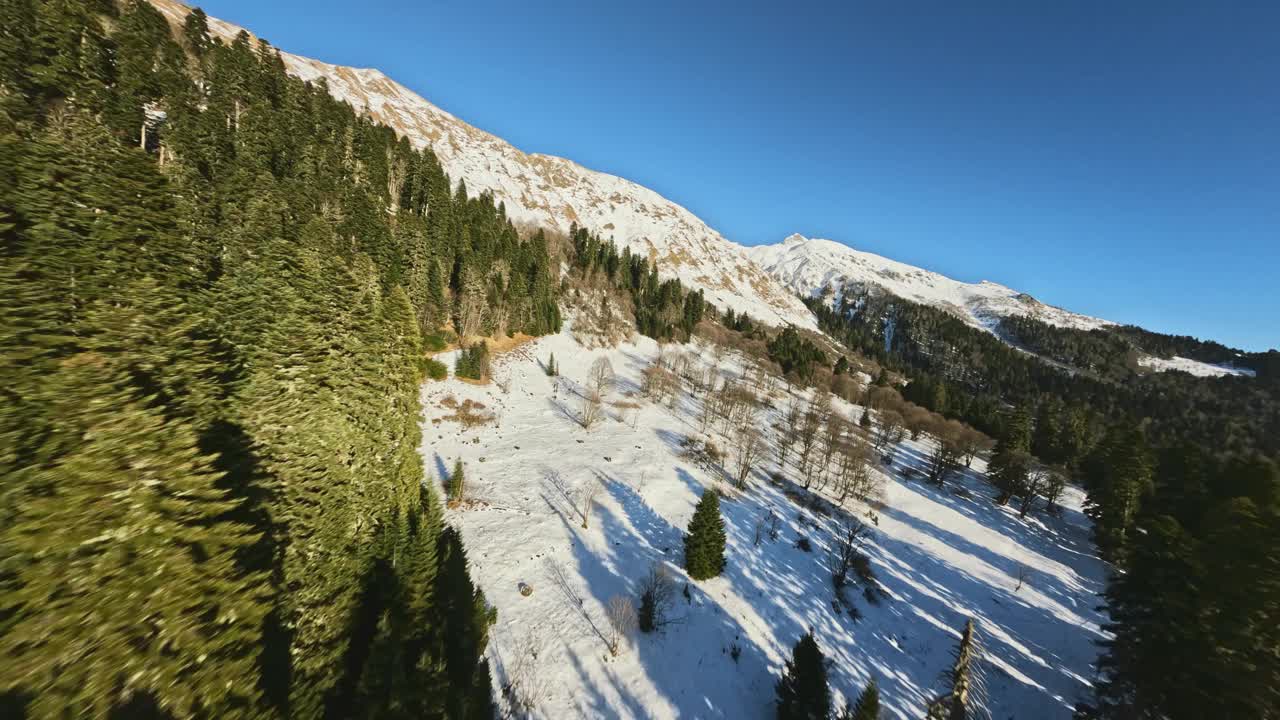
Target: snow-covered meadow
[{"x": 941, "y": 555}]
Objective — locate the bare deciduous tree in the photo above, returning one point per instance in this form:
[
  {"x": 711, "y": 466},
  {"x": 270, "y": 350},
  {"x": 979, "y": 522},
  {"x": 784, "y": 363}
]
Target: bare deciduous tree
[
  {"x": 947, "y": 450},
  {"x": 786, "y": 431},
  {"x": 592, "y": 408},
  {"x": 748, "y": 446},
  {"x": 622, "y": 621},
  {"x": 888, "y": 430},
  {"x": 657, "y": 591},
  {"x": 810, "y": 425},
  {"x": 833, "y": 436},
  {"x": 845, "y": 551},
  {"x": 658, "y": 382},
  {"x": 587, "y": 495},
  {"x": 853, "y": 471},
  {"x": 600, "y": 377}
]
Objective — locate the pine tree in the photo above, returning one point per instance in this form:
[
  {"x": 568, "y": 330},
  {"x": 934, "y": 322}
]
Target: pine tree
[
  {"x": 867, "y": 706},
  {"x": 802, "y": 691},
  {"x": 705, "y": 539}
]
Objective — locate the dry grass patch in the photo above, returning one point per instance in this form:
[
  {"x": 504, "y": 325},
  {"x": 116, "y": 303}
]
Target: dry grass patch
[{"x": 470, "y": 414}]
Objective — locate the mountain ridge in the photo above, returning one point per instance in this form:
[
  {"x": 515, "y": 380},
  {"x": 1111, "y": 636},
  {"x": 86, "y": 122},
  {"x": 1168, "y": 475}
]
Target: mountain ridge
[{"x": 553, "y": 192}]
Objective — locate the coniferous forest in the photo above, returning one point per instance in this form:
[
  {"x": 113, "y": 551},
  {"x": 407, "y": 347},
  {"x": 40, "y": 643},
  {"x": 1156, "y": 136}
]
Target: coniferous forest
[
  {"x": 218, "y": 289},
  {"x": 1181, "y": 479},
  {"x": 216, "y": 285}
]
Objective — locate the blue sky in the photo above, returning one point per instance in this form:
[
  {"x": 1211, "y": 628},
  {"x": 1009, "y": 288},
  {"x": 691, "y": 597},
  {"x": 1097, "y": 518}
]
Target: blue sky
[{"x": 1117, "y": 159}]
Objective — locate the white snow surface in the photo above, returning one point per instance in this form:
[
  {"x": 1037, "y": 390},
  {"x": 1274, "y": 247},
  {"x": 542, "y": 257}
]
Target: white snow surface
[
  {"x": 942, "y": 556},
  {"x": 808, "y": 267},
  {"x": 1194, "y": 367},
  {"x": 553, "y": 192}
]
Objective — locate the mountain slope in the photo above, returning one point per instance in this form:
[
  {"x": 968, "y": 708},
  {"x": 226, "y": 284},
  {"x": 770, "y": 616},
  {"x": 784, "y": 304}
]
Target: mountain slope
[
  {"x": 552, "y": 192},
  {"x": 808, "y": 267}
]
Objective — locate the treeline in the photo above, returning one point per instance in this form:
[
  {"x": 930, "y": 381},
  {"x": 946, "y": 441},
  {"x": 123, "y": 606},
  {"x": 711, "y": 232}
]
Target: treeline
[
  {"x": 964, "y": 372},
  {"x": 1181, "y": 487},
  {"x": 216, "y": 286}
]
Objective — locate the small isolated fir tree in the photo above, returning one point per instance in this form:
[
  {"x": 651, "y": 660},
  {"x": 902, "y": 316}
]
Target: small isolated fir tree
[
  {"x": 865, "y": 421},
  {"x": 867, "y": 706},
  {"x": 457, "y": 482},
  {"x": 704, "y": 543},
  {"x": 802, "y": 690},
  {"x": 552, "y": 370}
]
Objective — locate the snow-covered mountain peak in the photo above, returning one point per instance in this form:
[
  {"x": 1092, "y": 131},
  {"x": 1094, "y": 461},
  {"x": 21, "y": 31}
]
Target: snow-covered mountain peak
[
  {"x": 811, "y": 266},
  {"x": 552, "y": 192}
]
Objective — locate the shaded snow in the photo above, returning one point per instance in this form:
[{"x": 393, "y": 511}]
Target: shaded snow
[{"x": 942, "y": 555}]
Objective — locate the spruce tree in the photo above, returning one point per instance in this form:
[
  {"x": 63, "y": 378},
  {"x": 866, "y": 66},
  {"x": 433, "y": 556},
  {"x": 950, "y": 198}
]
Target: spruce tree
[
  {"x": 867, "y": 706},
  {"x": 705, "y": 539},
  {"x": 802, "y": 691}
]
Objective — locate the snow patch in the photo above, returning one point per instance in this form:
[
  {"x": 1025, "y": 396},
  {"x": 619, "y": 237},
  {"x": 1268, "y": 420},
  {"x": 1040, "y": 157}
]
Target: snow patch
[{"x": 1193, "y": 367}]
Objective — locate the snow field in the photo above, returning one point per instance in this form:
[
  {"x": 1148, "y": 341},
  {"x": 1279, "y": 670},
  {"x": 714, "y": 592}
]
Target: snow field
[{"x": 941, "y": 556}]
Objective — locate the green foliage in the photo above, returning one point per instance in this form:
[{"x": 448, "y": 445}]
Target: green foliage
[
  {"x": 796, "y": 353},
  {"x": 704, "y": 541},
  {"x": 213, "y": 501},
  {"x": 473, "y": 362},
  {"x": 1116, "y": 477},
  {"x": 803, "y": 693},
  {"x": 1193, "y": 616},
  {"x": 867, "y": 706},
  {"x": 551, "y": 369},
  {"x": 663, "y": 309},
  {"x": 434, "y": 369},
  {"x": 981, "y": 375}
]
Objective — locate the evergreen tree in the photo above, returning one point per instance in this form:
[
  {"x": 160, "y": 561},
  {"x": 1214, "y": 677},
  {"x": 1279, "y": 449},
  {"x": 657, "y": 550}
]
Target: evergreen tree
[
  {"x": 1117, "y": 477},
  {"x": 1011, "y": 460},
  {"x": 867, "y": 706},
  {"x": 704, "y": 541},
  {"x": 802, "y": 691}
]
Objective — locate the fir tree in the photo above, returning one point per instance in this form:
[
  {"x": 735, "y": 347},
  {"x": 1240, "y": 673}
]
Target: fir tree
[
  {"x": 704, "y": 541},
  {"x": 867, "y": 706},
  {"x": 802, "y": 691}
]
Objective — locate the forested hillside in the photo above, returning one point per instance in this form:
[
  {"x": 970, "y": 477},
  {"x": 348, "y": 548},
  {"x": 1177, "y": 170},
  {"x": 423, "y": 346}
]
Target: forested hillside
[
  {"x": 1180, "y": 475},
  {"x": 216, "y": 286}
]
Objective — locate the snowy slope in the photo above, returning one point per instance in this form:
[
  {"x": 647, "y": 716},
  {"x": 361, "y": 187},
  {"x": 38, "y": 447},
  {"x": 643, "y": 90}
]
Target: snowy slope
[
  {"x": 810, "y": 266},
  {"x": 1194, "y": 367},
  {"x": 553, "y": 192},
  {"x": 942, "y": 556}
]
